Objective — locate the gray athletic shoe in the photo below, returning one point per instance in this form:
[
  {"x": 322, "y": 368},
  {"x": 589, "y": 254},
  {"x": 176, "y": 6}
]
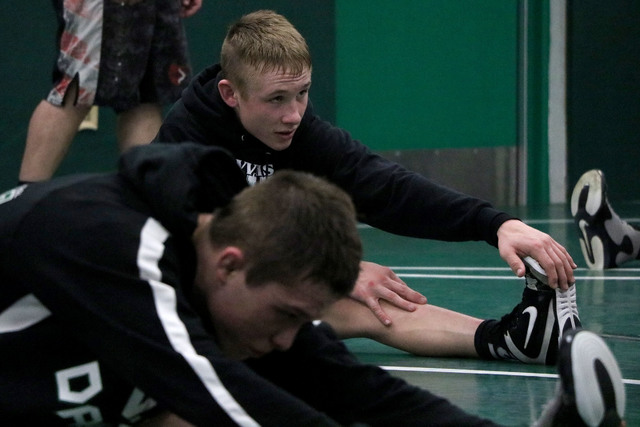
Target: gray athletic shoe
[{"x": 606, "y": 240}]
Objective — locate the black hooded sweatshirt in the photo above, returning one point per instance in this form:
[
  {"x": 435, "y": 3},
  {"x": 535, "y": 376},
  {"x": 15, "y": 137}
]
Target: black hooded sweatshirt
[
  {"x": 98, "y": 324},
  {"x": 386, "y": 195}
]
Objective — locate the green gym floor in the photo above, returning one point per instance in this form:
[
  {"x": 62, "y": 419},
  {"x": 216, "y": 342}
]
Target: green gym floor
[{"x": 471, "y": 278}]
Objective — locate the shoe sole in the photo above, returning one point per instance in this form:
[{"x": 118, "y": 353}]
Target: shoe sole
[
  {"x": 591, "y": 379},
  {"x": 606, "y": 241},
  {"x": 535, "y": 269},
  {"x": 584, "y": 209},
  {"x": 594, "y": 179}
]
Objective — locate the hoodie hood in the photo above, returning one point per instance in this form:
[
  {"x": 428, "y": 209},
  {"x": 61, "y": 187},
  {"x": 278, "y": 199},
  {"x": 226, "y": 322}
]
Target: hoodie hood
[
  {"x": 202, "y": 100},
  {"x": 179, "y": 181}
]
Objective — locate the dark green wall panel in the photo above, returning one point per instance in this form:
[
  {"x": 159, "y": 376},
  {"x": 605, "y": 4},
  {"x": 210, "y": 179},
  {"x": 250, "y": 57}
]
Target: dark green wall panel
[
  {"x": 604, "y": 93},
  {"x": 417, "y": 74}
]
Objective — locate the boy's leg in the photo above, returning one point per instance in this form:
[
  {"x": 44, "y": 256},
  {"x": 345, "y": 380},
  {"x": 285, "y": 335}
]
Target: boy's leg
[
  {"x": 51, "y": 131},
  {"x": 606, "y": 240},
  {"x": 138, "y": 125},
  {"x": 428, "y": 331},
  {"x": 530, "y": 333}
]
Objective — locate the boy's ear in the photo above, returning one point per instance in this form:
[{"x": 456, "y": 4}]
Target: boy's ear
[
  {"x": 228, "y": 93},
  {"x": 230, "y": 260}
]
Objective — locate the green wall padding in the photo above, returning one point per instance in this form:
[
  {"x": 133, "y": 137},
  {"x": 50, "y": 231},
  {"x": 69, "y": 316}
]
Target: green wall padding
[
  {"x": 419, "y": 74},
  {"x": 537, "y": 108},
  {"x": 603, "y": 97}
]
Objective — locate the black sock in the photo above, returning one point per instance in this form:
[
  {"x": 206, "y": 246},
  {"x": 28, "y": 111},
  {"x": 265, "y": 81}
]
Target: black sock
[{"x": 487, "y": 338}]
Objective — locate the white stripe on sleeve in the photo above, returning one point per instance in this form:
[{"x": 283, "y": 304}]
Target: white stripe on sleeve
[
  {"x": 25, "y": 312},
  {"x": 151, "y": 249}
]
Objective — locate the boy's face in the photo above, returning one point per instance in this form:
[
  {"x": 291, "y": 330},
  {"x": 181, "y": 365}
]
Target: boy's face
[
  {"x": 251, "y": 321},
  {"x": 272, "y": 106}
]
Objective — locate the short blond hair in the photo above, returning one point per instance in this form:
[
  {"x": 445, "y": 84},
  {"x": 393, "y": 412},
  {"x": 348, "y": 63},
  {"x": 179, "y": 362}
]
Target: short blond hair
[{"x": 259, "y": 42}]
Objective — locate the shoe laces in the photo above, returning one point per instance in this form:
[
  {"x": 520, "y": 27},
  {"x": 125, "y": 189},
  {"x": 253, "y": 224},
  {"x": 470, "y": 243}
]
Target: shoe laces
[{"x": 566, "y": 303}]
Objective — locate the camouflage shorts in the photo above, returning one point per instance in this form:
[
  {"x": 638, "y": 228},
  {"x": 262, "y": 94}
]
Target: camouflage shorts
[{"x": 122, "y": 52}]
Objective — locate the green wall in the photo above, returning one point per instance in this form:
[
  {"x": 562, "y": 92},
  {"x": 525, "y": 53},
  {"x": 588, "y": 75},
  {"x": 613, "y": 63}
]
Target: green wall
[
  {"x": 534, "y": 108},
  {"x": 603, "y": 99},
  {"x": 420, "y": 74}
]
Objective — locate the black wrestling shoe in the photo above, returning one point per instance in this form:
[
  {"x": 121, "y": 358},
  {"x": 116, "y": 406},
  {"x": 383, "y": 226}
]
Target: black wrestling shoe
[
  {"x": 590, "y": 391},
  {"x": 566, "y": 305},
  {"x": 532, "y": 331},
  {"x": 606, "y": 240}
]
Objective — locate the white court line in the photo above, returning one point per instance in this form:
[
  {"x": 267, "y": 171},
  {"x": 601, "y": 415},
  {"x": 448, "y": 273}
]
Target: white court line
[
  {"x": 450, "y": 268},
  {"x": 548, "y": 221},
  {"x": 535, "y": 221},
  {"x": 454, "y": 276},
  {"x": 493, "y": 277},
  {"x": 480, "y": 277},
  {"x": 481, "y": 372},
  {"x": 565, "y": 221}
]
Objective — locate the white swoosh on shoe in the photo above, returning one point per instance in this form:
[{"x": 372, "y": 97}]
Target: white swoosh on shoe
[
  {"x": 546, "y": 340},
  {"x": 592, "y": 249},
  {"x": 533, "y": 315}
]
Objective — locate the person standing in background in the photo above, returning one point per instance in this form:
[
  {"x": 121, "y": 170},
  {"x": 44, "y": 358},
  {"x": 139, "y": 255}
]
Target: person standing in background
[{"x": 129, "y": 55}]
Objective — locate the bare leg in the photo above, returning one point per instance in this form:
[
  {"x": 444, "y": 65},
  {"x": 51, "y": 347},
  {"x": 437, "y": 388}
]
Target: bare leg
[
  {"x": 428, "y": 331},
  {"x": 138, "y": 126},
  {"x": 51, "y": 131}
]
